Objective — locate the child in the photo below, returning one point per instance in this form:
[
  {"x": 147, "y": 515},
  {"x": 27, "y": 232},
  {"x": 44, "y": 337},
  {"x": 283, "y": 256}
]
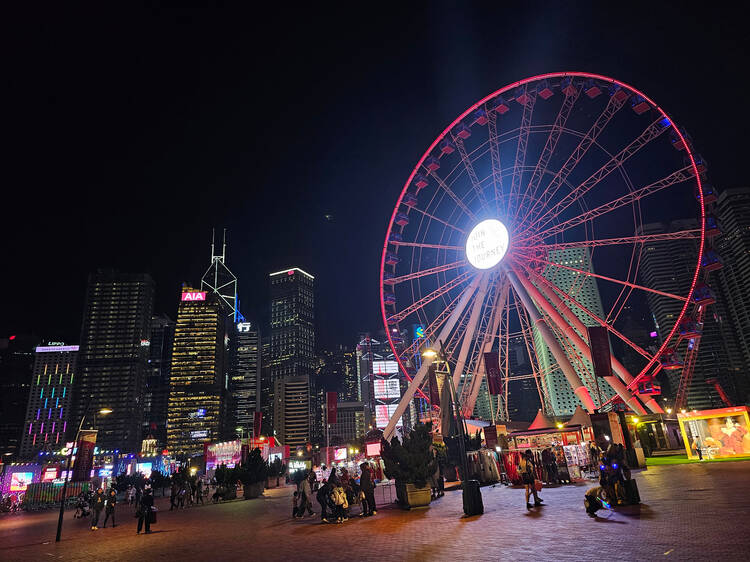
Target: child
[{"x": 295, "y": 503}]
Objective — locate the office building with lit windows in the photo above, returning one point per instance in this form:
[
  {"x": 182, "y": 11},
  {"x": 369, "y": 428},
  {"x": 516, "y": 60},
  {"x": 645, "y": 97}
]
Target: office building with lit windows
[
  {"x": 157, "y": 382},
  {"x": 50, "y": 398},
  {"x": 244, "y": 379},
  {"x": 113, "y": 357},
  {"x": 197, "y": 386},
  {"x": 293, "y": 356}
]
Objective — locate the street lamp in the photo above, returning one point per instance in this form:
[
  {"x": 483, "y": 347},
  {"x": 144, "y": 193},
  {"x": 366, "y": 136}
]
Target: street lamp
[
  {"x": 103, "y": 412},
  {"x": 468, "y": 501}
]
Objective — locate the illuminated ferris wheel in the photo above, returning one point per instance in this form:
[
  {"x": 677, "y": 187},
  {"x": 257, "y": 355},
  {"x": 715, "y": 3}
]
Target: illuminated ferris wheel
[{"x": 524, "y": 223}]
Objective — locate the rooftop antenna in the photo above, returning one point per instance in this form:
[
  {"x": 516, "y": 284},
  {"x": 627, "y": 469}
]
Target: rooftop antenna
[{"x": 220, "y": 280}]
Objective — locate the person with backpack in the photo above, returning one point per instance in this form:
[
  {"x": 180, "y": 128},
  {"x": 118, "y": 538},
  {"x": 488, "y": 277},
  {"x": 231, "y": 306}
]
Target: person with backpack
[{"x": 340, "y": 503}]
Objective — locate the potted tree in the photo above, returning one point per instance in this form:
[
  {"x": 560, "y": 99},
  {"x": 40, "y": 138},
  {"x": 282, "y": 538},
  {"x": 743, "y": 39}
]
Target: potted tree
[
  {"x": 252, "y": 474},
  {"x": 411, "y": 464},
  {"x": 276, "y": 470}
]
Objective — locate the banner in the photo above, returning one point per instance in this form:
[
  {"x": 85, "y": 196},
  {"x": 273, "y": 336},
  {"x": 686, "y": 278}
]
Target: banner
[
  {"x": 600, "y": 355},
  {"x": 84, "y": 456},
  {"x": 492, "y": 368},
  {"x": 490, "y": 436},
  {"x": 257, "y": 423},
  {"x": 434, "y": 390},
  {"x": 331, "y": 407}
]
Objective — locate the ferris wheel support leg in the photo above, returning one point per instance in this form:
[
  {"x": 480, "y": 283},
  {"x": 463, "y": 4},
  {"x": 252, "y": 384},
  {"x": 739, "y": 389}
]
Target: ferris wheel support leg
[
  {"x": 471, "y": 328},
  {"x": 549, "y": 338},
  {"x": 552, "y": 304},
  {"x": 422, "y": 372}
]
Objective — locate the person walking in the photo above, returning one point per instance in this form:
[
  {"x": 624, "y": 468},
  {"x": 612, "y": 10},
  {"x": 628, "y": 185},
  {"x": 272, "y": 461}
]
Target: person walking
[
  {"x": 109, "y": 507},
  {"x": 698, "y": 448},
  {"x": 144, "y": 512},
  {"x": 527, "y": 470},
  {"x": 199, "y": 493},
  {"x": 130, "y": 495},
  {"x": 367, "y": 486},
  {"x": 173, "y": 496},
  {"x": 305, "y": 502},
  {"x": 181, "y": 497},
  {"x": 97, "y": 504}
]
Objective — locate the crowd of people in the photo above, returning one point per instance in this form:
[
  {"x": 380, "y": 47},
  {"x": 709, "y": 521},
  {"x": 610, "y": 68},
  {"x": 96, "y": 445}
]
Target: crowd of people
[
  {"x": 336, "y": 495},
  {"x": 93, "y": 504}
]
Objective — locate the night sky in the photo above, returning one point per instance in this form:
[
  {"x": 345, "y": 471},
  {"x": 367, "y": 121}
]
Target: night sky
[{"x": 130, "y": 134}]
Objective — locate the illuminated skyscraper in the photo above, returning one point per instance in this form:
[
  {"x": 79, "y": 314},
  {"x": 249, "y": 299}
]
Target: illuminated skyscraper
[
  {"x": 197, "y": 386},
  {"x": 293, "y": 355},
  {"x": 113, "y": 357},
  {"x": 244, "y": 379},
  {"x": 585, "y": 290},
  {"x": 157, "y": 382},
  {"x": 50, "y": 398},
  {"x": 16, "y": 365}
]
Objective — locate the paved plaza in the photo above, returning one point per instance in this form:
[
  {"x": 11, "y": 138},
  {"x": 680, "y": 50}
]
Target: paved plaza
[{"x": 689, "y": 512}]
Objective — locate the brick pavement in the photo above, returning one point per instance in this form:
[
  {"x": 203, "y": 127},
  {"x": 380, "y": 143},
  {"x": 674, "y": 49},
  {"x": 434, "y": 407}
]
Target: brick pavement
[{"x": 690, "y": 512}]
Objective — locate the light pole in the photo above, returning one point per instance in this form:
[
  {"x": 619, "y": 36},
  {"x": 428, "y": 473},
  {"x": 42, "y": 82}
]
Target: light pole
[{"x": 103, "y": 412}]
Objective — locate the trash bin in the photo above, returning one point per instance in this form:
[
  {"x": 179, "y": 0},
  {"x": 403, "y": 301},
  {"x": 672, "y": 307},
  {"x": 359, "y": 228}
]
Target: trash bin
[{"x": 473, "y": 504}]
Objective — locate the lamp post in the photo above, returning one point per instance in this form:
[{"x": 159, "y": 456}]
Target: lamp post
[
  {"x": 103, "y": 412},
  {"x": 472, "y": 496}
]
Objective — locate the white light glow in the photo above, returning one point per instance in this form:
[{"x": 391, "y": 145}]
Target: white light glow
[{"x": 487, "y": 244}]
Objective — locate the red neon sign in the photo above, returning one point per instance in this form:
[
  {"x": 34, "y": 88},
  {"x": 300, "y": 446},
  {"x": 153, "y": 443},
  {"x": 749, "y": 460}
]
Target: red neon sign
[{"x": 194, "y": 296}]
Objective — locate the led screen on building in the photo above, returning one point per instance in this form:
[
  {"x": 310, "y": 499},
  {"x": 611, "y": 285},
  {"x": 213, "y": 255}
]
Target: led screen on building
[
  {"x": 383, "y": 413},
  {"x": 386, "y": 388},
  {"x": 384, "y": 367}
]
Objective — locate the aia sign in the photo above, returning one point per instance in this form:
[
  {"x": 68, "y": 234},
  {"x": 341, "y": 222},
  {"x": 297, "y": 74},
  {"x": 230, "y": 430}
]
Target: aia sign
[{"x": 195, "y": 296}]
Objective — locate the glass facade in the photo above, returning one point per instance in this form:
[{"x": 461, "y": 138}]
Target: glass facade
[{"x": 197, "y": 379}]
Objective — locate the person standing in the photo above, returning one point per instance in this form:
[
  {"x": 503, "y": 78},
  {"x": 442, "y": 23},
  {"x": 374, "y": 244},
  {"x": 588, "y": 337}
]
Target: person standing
[
  {"x": 144, "y": 512},
  {"x": 97, "y": 504},
  {"x": 173, "y": 496},
  {"x": 109, "y": 507},
  {"x": 367, "y": 486},
  {"x": 323, "y": 495},
  {"x": 527, "y": 470},
  {"x": 305, "y": 498},
  {"x": 199, "y": 493},
  {"x": 698, "y": 448}
]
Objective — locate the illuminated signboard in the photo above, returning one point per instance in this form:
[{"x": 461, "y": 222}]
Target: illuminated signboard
[
  {"x": 202, "y": 434},
  {"x": 383, "y": 413},
  {"x": 384, "y": 367},
  {"x": 49, "y": 474},
  {"x": 386, "y": 389},
  {"x": 145, "y": 343},
  {"x": 19, "y": 481},
  {"x": 228, "y": 453},
  {"x": 339, "y": 454},
  {"x": 56, "y": 348},
  {"x": 373, "y": 449},
  {"x": 244, "y": 327},
  {"x": 418, "y": 331},
  {"x": 199, "y": 413},
  {"x": 194, "y": 296},
  {"x": 145, "y": 468}
]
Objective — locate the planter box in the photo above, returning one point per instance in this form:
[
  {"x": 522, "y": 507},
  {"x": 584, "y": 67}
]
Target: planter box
[
  {"x": 251, "y": 491},
  {"x": 272, "y": 482},
  {"x": 417, "y": 497}
]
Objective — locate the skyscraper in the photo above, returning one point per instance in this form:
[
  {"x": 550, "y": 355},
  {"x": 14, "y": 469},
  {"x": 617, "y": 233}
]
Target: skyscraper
[
  {"x": 562, "y": 398},
  {"x": 266, "y": 386},
  {"x": 16, "y": 363},
  {"x": 197, "y": 386},
  {"x": 669, "y": 265},
  {"x": 733, "y": 245},
  {"x": 244, "y": 380},
  {"x": 49, "y": 399},
  {"x": 157, "y": 382},
  {"x": 113, "y": 356},
  {"x": 293, "y": 355}
]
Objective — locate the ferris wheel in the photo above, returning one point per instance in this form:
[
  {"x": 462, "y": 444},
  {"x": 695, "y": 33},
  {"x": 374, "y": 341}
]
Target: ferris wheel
[{"x": 525, "y": 222}]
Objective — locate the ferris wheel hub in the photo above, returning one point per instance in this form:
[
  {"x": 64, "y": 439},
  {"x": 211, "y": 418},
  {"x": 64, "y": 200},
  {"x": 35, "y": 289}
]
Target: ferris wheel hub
[{"x": 487, "y": 244}]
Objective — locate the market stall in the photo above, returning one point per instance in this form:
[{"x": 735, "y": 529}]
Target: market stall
[{"x": 721, "y": 433}]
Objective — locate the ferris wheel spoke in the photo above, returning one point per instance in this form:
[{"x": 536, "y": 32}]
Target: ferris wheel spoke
[
  {"x": 455, "y": 282},
  {"x": 497, "y": 171},
  {"x": 551, "y": 143},
  {"x": 523, "y": 141},
  {"x": 437, "y": 219},
  {"x": 469, "y": 332},
  {"x": 625, "y": 240},
  {"x": 612, "y": 279},
  {"x": 456, "y": 199},
  {"x": 540, "y": 377},
  {"x": 428, "y": 246},
  {"x": 425, "y": 272},
  {"x": 475, "y": 183},
  {"x": 613, "y": 106},
  {"x": 641, "y": 193},
  {"x": 652, "y": 132}
]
